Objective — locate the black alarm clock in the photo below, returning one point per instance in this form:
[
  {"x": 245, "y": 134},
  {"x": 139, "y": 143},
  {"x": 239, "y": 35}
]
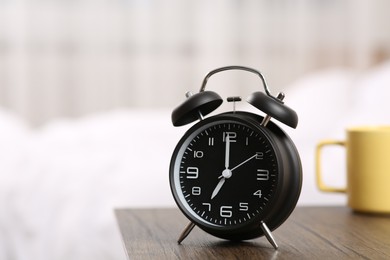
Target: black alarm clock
[{"x": 236, "y": 175}]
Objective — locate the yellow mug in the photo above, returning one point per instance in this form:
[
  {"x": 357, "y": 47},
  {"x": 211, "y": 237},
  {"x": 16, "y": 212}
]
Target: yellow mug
[{"x": 368, "y": 168}]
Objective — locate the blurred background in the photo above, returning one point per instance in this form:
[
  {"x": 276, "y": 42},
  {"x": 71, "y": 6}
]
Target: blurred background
[
  {"x": 71, "y": 58},
  {"x": 87, "y": 88}
]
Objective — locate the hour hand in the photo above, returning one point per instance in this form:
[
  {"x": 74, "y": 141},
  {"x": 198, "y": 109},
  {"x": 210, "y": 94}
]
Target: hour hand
[
  {"x": 226, "y": 174},
  {"x": 217, "y": 189}
]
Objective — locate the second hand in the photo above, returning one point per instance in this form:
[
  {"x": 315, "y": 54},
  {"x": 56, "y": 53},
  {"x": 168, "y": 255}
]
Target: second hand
[{"x": 247, "y": 160}]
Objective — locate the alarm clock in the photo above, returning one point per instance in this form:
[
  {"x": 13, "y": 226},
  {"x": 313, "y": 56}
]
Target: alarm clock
[{"x": 236, "y": 175}]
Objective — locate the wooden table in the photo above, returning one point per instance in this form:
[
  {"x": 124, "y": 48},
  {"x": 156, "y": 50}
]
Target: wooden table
[{"x": 309, "y": 233}]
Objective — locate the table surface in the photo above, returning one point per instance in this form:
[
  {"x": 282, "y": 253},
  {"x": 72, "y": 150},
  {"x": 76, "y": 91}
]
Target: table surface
[{"x": 309, "y": 233}]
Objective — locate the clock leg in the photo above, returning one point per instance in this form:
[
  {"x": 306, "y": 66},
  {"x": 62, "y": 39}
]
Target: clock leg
[
  {"x": 268, "y": 235},
  {"x": 187, "y": 230},
  {"x": 268, "y": 117},
  {"x": 188, "y": 95},
  {"x": 265, "y": 120}
]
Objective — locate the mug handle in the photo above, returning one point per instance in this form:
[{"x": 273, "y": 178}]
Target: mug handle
[{"x": 321, "y": 185}]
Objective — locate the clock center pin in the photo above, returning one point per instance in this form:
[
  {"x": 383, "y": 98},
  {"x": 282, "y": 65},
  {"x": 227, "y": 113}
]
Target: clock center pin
[{"x": 227, "y": 173}]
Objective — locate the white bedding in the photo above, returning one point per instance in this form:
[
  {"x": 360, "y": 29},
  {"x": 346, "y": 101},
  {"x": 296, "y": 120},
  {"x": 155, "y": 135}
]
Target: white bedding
[{"x": 60, "y": 183}]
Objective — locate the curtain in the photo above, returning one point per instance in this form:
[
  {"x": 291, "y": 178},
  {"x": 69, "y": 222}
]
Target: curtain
[{"x": 71, "y": 58}]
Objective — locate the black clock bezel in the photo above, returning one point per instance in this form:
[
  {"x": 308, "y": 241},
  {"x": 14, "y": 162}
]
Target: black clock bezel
[{"x": 274, "y": 213}]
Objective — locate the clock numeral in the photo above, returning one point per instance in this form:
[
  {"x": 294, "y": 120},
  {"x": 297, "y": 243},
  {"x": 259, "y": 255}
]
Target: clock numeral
[
  {"x": 196, "y": 191},
  {"x": 192, "y": 173},
  {"x": 198, "y": 154},
  {"x": 243, "y": 206},
  {"x": 262, "y": 175},
  {"x": 211, "y": 141},
  {"x": 232, "y": 136},
  {"x": 208, "y": 206},
  {"x": 226, "y": 211},
  {"x": 259, "y": 156},
  {"x": 258, "y": 193}
]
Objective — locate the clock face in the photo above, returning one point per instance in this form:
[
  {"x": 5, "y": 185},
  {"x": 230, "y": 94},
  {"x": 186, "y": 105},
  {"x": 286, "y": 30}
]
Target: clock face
[{"x": 224, "y": 173}]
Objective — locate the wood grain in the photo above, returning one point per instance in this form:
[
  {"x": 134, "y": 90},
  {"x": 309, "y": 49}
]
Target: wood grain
[{"x": 310, "y": 233}]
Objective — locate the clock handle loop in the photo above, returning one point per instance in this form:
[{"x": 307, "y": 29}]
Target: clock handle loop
[{"x": 234, "y": 67}]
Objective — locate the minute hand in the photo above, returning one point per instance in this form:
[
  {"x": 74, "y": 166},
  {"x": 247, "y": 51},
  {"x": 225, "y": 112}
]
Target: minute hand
[{"x": 247, "y": 160}]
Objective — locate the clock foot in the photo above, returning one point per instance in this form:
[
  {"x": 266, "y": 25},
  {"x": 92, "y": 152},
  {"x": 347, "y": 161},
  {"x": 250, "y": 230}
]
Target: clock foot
[
  {"x": 268, "y": 235},
  {"x": 187, "y": 230}
]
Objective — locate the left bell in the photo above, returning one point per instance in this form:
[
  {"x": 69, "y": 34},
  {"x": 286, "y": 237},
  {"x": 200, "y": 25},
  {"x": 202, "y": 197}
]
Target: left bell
[{"x": 195, "y": 106}]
